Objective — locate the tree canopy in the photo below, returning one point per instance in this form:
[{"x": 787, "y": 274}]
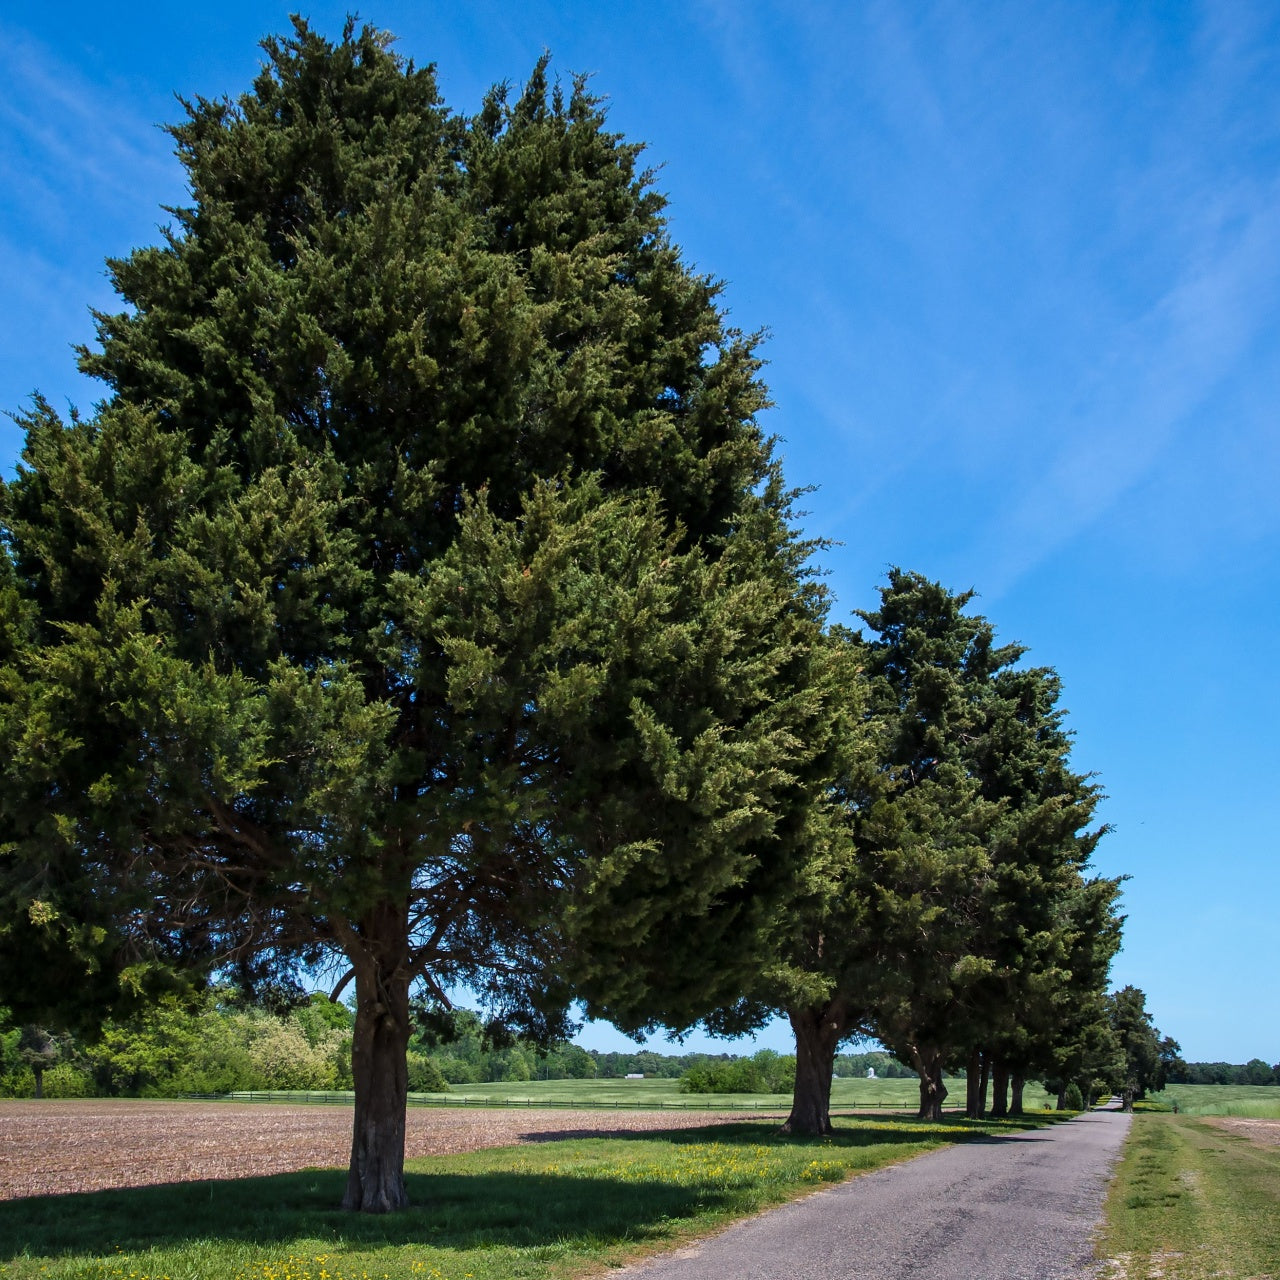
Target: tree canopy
[
  {"x": 423, "y": 590},
  {"x": 945, "y": 906}
]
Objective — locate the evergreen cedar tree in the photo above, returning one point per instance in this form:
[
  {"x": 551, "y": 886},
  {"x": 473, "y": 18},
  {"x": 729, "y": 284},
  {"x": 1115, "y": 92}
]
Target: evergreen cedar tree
[
  {"x": 1143, "y": 1057},
  {"x": 984, "y": 828},
  {"x": 945, "y": 908},
  {"x": 423, "y": 591}
]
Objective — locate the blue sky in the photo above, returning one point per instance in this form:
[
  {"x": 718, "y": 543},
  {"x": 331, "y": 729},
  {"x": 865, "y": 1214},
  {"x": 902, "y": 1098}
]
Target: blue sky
[{"x": 1020, "y": 265}]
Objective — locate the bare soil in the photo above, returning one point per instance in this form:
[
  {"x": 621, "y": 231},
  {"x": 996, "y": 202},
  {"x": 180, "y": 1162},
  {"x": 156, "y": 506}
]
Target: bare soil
[
  {"x": 1265, "y": 1133},
  {"x": 49, "y": 1148}
]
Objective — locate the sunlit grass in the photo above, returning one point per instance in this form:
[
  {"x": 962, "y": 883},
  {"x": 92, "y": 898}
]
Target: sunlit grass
[
  {"x": 1262, "y": 1102},
  {"x": 662, "y": 1095},
  {"x": 538, "y": 1210},
  {"x": 1194, "y": 1200}
]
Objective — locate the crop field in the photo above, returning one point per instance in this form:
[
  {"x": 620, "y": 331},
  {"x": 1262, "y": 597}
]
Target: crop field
[
  {"x": 621, "y": 1095},
  {"x": 51, "y": 1148},
  {"x": 1259, "y": 1101},
  {"x": 566, "y": 1195}
]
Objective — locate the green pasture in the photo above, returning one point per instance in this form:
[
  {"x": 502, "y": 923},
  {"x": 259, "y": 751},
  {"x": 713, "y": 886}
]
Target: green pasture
[
  {"x": 659, "y": 1095},
  {"x": 1260, "y": 1101},
  {"x": 1193, "y": 1199},
  {"x": 540, "y": 1211}
]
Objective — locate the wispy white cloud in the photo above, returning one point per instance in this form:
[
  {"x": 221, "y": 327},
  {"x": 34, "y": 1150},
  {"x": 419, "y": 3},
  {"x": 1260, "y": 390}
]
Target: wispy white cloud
[
  {"x": 1138, "y": 419},
  {"x": 60, "y": 127},
  {"x": 83, "y": 174},
  {"x": 1062, "y": 245}
]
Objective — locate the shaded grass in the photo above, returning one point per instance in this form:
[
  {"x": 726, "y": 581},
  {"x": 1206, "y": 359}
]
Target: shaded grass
[
  {"x": 1194, "y": 1200},
  {"x": 546, "y": 1209}
]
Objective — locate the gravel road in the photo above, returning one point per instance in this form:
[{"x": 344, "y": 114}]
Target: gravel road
[{"x": 1021, "y": 1207}]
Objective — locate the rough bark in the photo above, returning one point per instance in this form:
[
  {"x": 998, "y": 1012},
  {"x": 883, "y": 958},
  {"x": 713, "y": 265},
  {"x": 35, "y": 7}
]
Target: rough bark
[
  {"x": 375, "y": 1179},
  {"x": 999, "y": 1090},
  {"x": 927, "y": 1060},
  {"x": 818, "y": 1033},
  {"x": 973, "y": 1103},
  {"x": 1016, "y": 1084},
  {"x": 1062, "y": 1097},
  {"x": 982, "y": 1084}
]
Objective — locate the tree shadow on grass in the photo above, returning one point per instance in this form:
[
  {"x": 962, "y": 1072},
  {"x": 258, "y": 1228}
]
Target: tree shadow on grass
[
  {"x": 488, "y": 1208},
  {"x": 850, "y": 1131},
  {"x": 450, "y": 1211}
]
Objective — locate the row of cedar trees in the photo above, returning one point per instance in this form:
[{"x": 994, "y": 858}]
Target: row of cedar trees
[{"x": 424, "y": 597}]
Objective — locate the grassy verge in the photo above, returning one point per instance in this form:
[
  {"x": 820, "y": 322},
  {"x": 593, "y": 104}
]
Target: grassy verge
[
  {"x": 1195, "y": 1200},
  {"x": 547, "y": 1210}
]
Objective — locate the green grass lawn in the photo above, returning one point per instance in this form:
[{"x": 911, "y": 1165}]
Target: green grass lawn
[
  {"x": 663, "y": 1094},
  {"x": 1258, "y": 1100},
  {"x": 544, "y": 1211},
  {"x": 1193, "y": 1200}
]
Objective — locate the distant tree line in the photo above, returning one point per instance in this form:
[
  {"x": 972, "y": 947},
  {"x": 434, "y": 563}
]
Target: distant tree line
[
  {"x": 1255, "y": 1071},
  {"x": 217, "y": 1042},
  {"x": 203, "y": 1045},
  {"x": 765, "y": 1071},
  {"x": 885, "y": 1065}
]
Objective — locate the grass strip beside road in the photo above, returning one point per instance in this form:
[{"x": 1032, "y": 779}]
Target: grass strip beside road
[
  {"x": 539, "y": 1211},
  {"x": 1193, "y": 1199}
]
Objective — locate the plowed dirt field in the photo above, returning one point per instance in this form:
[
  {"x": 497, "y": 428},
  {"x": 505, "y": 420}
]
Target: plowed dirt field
[
  {"x": 1266, "y": 1133},
  {"x": 51, "y": 1147}
]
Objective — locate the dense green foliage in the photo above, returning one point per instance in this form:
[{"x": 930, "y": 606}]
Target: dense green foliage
[
  {"x": 991, "y": 826},
  {"x": 946, "y": 907},
  {"x": 885, "y": 1066},
  {"x": 422, "y": 592},
  {"x": 214, "y": 1044},
  {"x": 1143, "y": 1056},
  {"x": 763, "y": 1072},
  {"x": 210, "y": 1045}
]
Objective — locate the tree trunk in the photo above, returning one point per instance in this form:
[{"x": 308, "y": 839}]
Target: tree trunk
[
  {"x": 817, "y": 1033},
  {"x": 999, "y": 1090},
  {"x": 1062, "y": 1097},
  {"x": 375, "y": 1180},
  {"x": 38, "y": 1072},
  {"x": 972, "y": 1075},
  {"x": 982, "y": 1087},
  {"x": 1017, "y": 1084},
  {"x": 927, "y": 1060}
]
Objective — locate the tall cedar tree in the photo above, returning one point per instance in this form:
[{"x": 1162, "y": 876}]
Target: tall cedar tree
[
  {"x": 1141, "y": 1066},
  {"x": 1048, "y": 913},
  {"x": 994, "y": 834},
  {"x": 882, "y": 939},
  {"x": 423, "y": 593}
]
